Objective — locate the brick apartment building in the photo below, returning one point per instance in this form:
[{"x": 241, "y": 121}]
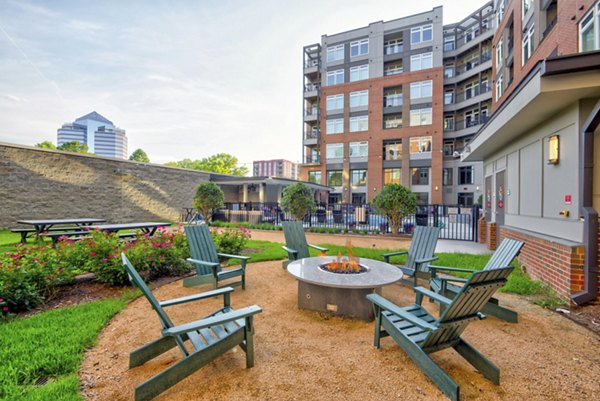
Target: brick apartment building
[{"x": 275, "y": 168}]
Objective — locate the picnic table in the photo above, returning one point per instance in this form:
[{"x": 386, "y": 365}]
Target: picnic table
[{"x": 40, "y": 226}]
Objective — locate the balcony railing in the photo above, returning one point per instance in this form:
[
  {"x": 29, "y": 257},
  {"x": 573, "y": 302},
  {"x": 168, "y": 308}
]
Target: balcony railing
[{"x": 311, "y": 87}]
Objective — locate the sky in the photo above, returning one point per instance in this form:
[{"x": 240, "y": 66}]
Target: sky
[{"x": 185, "y": 79}]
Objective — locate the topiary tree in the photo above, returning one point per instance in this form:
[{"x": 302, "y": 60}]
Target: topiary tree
[
  {"x": 208, "y": 197},
  {"x": 395, "y": 202},
  {"x": 297, "y": 200}
]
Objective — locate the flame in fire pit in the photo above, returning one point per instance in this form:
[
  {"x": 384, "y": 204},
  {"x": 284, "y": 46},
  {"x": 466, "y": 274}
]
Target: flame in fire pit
[{"x": 350, "y": 265}]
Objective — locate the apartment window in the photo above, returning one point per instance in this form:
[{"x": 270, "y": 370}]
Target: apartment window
[
  {"x": 393, "y": 46},
  {"x": 360, "y": 123},
  {"x": 392, "y": 97},
  {"x": 314, "y": 177},
  {"x": 421, "y": 34},
  {"x": 335, "y": 126},
  {"x": 420, "y": 144},
  {"x": 392, "y": 121},
  {"x": 358, "y": 99},
  {"x": 420, "y": 117},
  {"x": 447, "y": 177},
  {"x": 335, "y": 150},
  {"x": 526, "y": 6},
  {"x": 448, "y": 148},
  {"x": 449, "y": 96},
  {"x": 465, "y": 175},
  {"x": 391, "y": 176},
  {"x": 498, "y": 87},
  {"x": 359, "y": 73},
  {"x": 335, "y": 53},
  {"x": 527, "y": 45},
  {"x": 421, "y": 61},
  {"x": 465, "y": 199},
  {"x": 358, "y": 178},
  {"x": 335, "y": 102},
  {"x": 334, "y": 178},
  {"x": 448, "y": 70},
  {"x": 335, "y": 77},
  {"x": 392, "y": 150},
  {"x": 420, "y": 176},
  {"x": 589, "y": 30},
  {"x": 359, "y": 47},
  {"x": 393, "y": 69},
  {"x": 449, "y": 123},
  {"x": 359, "y": 149},
  {"x": 421, "y": 89},
  {"x": 499, "y": 54},
  {"x": 448, "y": 43}
]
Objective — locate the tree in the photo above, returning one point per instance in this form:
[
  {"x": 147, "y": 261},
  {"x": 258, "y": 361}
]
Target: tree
[
  {"x": 139, "y": 155},
  {"x": 73, "y": 146},
  {"x": 221, "y": 163},
  {"x": 395, "y": 202},
  {"x": 45, "y": 145},
  {"x": 208, "y": 197},
  {"x": 297, "y": 200}
]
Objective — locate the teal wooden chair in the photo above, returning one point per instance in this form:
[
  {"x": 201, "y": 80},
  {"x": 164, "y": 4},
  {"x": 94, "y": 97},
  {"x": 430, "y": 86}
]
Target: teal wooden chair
[
  {"x": 419, "y": 334},
  {"x": 295, "y": 242},
  {"x": 507, "y": 251},
  {"x": 206, "y": 260},
  {"x": 419, "y": 255},
  {"x": 200, "y": 341}
]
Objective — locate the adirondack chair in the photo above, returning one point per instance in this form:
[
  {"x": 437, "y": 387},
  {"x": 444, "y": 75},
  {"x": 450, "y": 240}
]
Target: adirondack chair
[
  {"x": 419, "y": 334},
  {"x": 504, "y": 255},
  {"x": 295, "y": 242},
  {"x": 419, "y": 255},
  {"x": 206, "y": 260},
  {"x": 208, "y": 337}
]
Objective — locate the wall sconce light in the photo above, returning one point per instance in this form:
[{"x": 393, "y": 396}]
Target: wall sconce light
[{"x": 553, "y": 146}]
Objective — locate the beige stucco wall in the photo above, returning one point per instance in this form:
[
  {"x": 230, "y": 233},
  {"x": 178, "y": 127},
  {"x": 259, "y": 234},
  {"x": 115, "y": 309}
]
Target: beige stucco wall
[{"x": 37, "y": 183}]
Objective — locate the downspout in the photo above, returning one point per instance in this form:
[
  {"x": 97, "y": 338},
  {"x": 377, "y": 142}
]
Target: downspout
[{"x": 590, "y": 215}]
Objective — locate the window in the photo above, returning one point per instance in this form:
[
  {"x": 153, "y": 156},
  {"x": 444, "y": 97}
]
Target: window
[
  {"x": 334, "y": 178},
  {"x": 359, "y": 47},
  {"x": 527, "y": 45},
  {"x": 499, "y": 54},
  {"x": 465, "y": 175},
  {"x": 420, "y": 176},
  {"x": 448, "y": 43},
  {"x": 589, "y": 30},
  {"x": 391, "y": 176},
  {"x": 392, "y": 150},
  {"x": 360, "y": 123},
  {"x": 465, "y": 199},
  {"x": 420, "y": 89},
  {"x": 314, "y": 177},
  {"x": 448, "y": 70},
  {"x": 420, "y": 144},
  {"x": 449, "y": 96},
  {"x": 358, "y": 99},
  {"x": 421, "y": 34},
  {"x": 335, "y": 126},
  {"x": 358, "y": 177},
  {"x": 335, "y": 77},
  {"x": 447, "y": 177},
  {"x": 335, "y": 102},
  {"x": 359, "y": 73},
  {"x": 421, "y": 61},
  {"x": 393, "y": 46},
  {"x": 448, "y": 148},
  {"x": 335, "y": 53},
  {"x": 335, "y": 150},
  {"x": 498, "y": 87},
  {"x": 392, "y": 97},
  {"x": 359, "y": 149},
  {"x": 392, "y": 121},
  {"x": 449, "y": 123},
  {"x": 393, "y": 69},
  {"x": 420, "y": 117}
]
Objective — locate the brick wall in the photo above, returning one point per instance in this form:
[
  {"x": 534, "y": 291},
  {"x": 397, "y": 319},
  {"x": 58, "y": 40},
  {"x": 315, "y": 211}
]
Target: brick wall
[{"x": 39, "y": 183}]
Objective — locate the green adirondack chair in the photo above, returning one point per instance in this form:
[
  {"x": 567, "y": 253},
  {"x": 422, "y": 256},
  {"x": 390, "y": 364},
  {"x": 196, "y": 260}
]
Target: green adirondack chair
[
  {"x": 504, "y": 255},
  {"x": 295, "y": 242},
  {"x": 420, "y": 334},
  {"x": 419, "y": 255},
  {"x": 208, "y": 337},
  {"x": 206, "y": 260}
]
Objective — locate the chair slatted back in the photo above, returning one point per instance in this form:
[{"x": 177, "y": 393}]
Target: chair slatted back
[
  {"x": 202, "y": 246},
  {"x": 422, "y": 246},
  {"x": 295, "y": 238},
  {"x": 504, "y": 255},
  {"x": 471, "y": 298}
]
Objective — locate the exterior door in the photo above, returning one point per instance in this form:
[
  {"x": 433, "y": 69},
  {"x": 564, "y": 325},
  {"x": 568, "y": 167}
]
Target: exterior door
[{"x": 500, "y": 202}]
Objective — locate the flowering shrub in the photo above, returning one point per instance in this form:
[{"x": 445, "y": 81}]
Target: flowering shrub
[{"x": 230, "y": 241}]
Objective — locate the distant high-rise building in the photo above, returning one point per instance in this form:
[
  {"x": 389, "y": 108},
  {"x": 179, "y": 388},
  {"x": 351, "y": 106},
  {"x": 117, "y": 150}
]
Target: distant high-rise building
[
  {"x": 275, "y": 168},
  {"x": 98, "y": 133}
]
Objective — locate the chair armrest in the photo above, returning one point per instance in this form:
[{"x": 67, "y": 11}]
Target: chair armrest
[
  {"x": 396, "y": 310},
  {"x": 433, "y": 295},
  {"x": 203, "y": 263},
  {"x": 426, "y": 260},
  {"x": 226, "y": 255},
  {"x": 212, "y": 321},
  {"x": 195, "y": 297},
  {"x": 318, "y": 248}
]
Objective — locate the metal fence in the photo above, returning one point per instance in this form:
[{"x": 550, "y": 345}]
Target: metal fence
[{"x": 456, "y": 222}]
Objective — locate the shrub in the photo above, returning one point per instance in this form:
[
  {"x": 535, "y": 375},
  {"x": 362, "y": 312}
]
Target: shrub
[{"x": 230, "y": 241}]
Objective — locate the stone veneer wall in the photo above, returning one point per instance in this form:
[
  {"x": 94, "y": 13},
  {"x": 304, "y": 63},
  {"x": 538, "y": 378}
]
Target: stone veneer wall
[{"x": 39, "y": 184}]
